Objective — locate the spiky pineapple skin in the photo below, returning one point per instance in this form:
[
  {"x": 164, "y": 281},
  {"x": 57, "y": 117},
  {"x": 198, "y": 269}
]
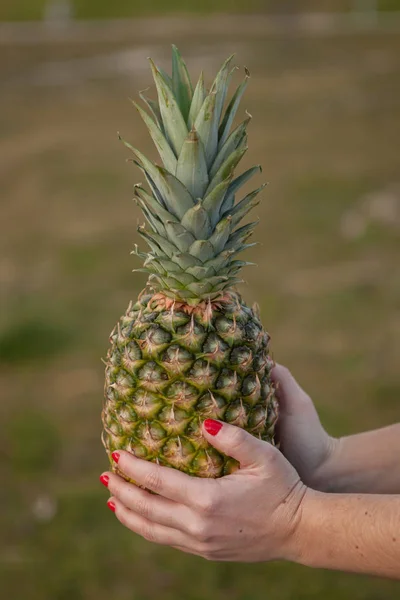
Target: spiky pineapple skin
[{"x": 170, "y": 367}]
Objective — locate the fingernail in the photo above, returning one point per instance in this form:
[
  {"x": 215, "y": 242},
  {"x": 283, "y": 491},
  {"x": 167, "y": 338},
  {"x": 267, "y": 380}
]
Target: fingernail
[
  {"x": 104, "y": 479},
  {"x": 115, "y": 456},
  {"x": 212, "y": 427},
  {"x": 111, "y": 505}
]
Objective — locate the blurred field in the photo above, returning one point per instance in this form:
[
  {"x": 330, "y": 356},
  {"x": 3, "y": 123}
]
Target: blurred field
[
  {"x": 100, "y": 9},
  {"x": 326, "y": 129}
]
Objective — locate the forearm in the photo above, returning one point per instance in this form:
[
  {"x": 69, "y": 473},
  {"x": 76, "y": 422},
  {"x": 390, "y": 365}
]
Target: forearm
[
  {"x": 351, "y": 532},
  {"x": 367, "y": 463}
]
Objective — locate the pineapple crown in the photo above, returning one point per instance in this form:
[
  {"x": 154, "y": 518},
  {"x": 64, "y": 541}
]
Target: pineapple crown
[{"x": 191, "y": 211}]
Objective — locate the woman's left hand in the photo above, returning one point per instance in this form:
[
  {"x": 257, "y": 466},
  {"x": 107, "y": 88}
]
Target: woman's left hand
[{"x": 250, "y": 515}]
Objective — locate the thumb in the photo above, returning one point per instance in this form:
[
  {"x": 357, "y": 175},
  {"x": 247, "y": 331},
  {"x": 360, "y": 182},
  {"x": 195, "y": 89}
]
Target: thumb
[
  {"x": 293, "y": 400},
  {"x": 237, "y": 443},
  {"x": 298, "y": 429}
]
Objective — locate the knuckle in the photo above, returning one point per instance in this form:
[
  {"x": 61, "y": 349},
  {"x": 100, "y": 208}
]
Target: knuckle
[
  {"x": 209, "y": 503},
  {"x": 200, "y": 530},
  {"x": 142, "y": 507},
  {"x": 147, "y": 532},
  {"x": 188, "y": 495},
  {"x": 272, "y": 460},
  {"x": 153, "y": 480},
  {"x": 237, "y": 436}
]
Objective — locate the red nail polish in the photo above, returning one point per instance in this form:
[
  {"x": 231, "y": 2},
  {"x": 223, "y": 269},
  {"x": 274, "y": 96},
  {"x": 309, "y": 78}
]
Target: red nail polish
[
  {"x": 212, "y": 426},
  {"x": 115, "y": 456},
  {"x": 104, "y": 479},
  {"x": 111, "y": 505}
]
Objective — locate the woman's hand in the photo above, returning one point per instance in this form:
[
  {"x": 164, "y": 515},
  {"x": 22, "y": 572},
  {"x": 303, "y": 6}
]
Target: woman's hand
[
  {"x": 363, "y": 463},
  {"x": 303, "y": 440},
  {"x": 261, "y": 512},
  {"x": 248, "y": 516}
]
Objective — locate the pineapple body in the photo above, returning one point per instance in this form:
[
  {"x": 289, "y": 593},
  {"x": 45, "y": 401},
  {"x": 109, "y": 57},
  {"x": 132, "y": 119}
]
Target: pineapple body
[
  {"x": 170, "y": 367},
  {"x": 189, "y": 348}
]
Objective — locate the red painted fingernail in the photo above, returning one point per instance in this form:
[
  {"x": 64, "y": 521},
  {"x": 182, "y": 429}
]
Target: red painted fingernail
[
  {"x": 212, "y": 426},
  {"x": 111, "y": 505},
  {"x": 115, "y": 456},
  {"x": 104, "y": 479}
]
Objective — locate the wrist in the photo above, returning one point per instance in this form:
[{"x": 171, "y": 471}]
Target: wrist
[
  {"x": 295, "y": 547},
  {"x": 306, "y": 544},
  {"x": 325, "y": 475}
]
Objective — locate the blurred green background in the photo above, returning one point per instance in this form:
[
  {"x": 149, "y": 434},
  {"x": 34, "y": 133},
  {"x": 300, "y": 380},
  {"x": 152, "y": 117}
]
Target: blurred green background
[
  {"x": 100, "y": 9},
  {"x": 326, "y": 108}
]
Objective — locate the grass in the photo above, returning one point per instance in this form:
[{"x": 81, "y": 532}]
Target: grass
[{"x": 326, "y": 114}]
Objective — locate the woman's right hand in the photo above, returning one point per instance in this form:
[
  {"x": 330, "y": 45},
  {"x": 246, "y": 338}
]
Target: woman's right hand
[{"x": 302, "y": 439}]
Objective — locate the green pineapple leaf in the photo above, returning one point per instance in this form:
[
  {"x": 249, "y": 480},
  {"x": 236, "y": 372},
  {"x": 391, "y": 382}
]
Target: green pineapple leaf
[
  {"x": 202, "y": 249},
  {"x": 236, "y": 184},
  {"x": 154, "y": 109},
  {"x": 221, "y": 234},
  {"x": 153, "y": 205},
  {"x": 162, "y": 145},
  {"x": 172, "y": 194},
  {"x": 174, "y": 123},
  {"x": 153, "y": 221},
  {"x": 191, "y": 168},
  {"x": 197, "y": 221},
  {"x": 197, "y": 100},
  {"x": 185, "y": 260},
  {"x": 244, "y": 206},
  {"x": 179, "y": 235},
  {"x": 231, "y": 110},
  {"x": 169, "y": 248},
  {"x": 207, "y": 128},
  {"x": 226, "y": 169},
  {"x": 231, "y": 144},
  {"x": 220, "y": 87},
  {"x": 181, "y": 84},
  {"x": 201, "y": 272},
  {"x": 214, "y": 200},
  {"x": 239, "y": 236}
]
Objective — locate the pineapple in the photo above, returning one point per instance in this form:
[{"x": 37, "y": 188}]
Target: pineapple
[{"x": 189, "y": 348}]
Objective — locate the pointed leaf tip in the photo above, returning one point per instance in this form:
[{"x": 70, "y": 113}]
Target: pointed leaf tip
[
  {"x": 197, "y": 100},
  {"x": 192, "y": 168},
  {"x": 171, "y": 111},
  {"x": 232, "y": 109},
  {"x": 161, "y": 143},
  {"x": 181, "y": 83}
]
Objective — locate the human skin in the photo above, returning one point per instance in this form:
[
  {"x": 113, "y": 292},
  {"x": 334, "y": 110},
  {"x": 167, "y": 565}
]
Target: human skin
[
  {"x": 367, "y": 462},
  {"x": 288, "y": 513}
]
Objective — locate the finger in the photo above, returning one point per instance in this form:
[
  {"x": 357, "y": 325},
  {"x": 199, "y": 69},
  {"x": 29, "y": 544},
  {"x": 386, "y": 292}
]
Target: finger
[
  {"x": 153, "y": 508},
  {"x": 237, "y": 443},
  {"x": 292, "y": 398},
  {"x": 152, "y": 532},
  {"x": 166, "y": 481},
  {"x": 298, "y": 419},
  {"x": 192, "y": 550},
  {"x": 186, "y": 550}
]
